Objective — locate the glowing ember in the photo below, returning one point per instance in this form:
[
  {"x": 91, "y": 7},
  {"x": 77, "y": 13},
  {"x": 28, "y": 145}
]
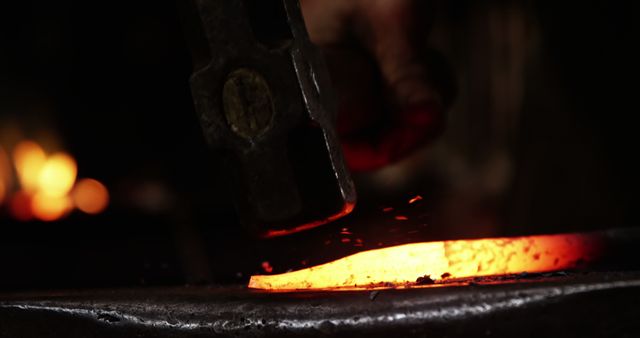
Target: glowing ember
[
  {"x": 415, "y": 199},
  {"x": 267, "y": 267},
  {"x": 401, "y": 218},
  {"x": 404, "y": 264}
]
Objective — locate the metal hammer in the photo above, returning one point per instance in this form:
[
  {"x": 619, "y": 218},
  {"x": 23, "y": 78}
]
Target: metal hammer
[{"x": 265, "y": 103}]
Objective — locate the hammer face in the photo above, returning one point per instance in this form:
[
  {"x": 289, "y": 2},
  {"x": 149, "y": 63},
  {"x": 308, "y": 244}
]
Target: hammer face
[{"x": 265, "y": 101}]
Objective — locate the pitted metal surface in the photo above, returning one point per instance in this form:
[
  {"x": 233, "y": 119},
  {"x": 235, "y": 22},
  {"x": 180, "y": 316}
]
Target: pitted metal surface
[{"x": 592, "y": 305}]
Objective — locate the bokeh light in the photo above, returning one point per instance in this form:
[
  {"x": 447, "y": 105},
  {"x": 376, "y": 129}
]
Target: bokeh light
[
  {"x": 29, "y": 158},
  {"x": 47, "y": 189},
  {"x": 3, "y": 191},
  {"x": 49, "y": 208},
  {"x": 5, "y": 175},
  {"x": 90, "y": 196},
  {"x": 57, "y": 175},
  {"x": 20, "y": 206}
]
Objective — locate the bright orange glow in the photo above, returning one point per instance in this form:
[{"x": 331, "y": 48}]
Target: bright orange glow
[
  {"x": 47, "y": 188},
  {"x": 347, "y": 209},
  {"x": 57, "y": 175},
  {"x": 29, "y": 158},
  {"x": 404, "y": 264},
  {"x": 90, "y": 196},
  {"x": 50, "y": 208}
]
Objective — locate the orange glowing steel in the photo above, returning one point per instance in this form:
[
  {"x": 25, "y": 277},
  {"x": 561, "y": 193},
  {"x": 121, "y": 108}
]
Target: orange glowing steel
[{"x": 402, "y": 265}]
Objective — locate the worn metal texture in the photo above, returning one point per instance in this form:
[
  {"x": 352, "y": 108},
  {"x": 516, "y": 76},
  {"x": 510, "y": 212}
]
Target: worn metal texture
[
  {"x": 265, "y": 102},
  {"x": 576, "y": 305}
]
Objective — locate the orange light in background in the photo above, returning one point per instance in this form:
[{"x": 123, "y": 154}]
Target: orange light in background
[
  {"x": 404, "y": 264},
  {"x": 90, "y": 196},
  {"x": 5, "y": 175},
  {"x": 57, "y": 175},
  {"x": 20, "y": 206},
  {"x": 46, "y": 184},
  {"x": 49, "y": 208},
  {"x": 29, "y": 158},
  {"x": 3, "y": 191}
]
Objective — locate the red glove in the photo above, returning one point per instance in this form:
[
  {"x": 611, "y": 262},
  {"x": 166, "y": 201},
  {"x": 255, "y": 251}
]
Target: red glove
[{"x": 389, "y": 105}]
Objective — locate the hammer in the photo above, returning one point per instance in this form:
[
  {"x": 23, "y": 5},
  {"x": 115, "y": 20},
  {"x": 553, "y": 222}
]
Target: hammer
[{"x": 266, "y": 106}]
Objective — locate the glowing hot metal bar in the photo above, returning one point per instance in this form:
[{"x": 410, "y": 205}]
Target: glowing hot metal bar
[{"x": 403, "y": 264}]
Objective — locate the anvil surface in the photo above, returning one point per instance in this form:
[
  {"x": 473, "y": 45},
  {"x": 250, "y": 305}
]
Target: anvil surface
[{"x": 596, "y": 304}]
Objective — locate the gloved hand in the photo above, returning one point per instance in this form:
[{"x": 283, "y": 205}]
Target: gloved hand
[{"x": 390, "y": 102}]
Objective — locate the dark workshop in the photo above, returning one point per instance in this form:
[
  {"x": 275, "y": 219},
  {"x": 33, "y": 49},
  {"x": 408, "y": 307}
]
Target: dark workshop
[{"x": 348, "y": 168}]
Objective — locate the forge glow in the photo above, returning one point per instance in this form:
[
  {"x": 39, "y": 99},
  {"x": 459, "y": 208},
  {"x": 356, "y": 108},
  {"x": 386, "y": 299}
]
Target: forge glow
[
  {"x": 347, "y": 209},
  {"x": 404, "y": 264},
  {"x": 46, "y": 186}
]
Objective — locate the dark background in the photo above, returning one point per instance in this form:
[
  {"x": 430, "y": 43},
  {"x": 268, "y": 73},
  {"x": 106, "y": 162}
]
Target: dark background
[{"x": 542, "y": 138}]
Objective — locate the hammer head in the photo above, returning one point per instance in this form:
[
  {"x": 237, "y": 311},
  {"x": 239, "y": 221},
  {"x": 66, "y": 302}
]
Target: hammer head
[{"x": 265, "y": 102}]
